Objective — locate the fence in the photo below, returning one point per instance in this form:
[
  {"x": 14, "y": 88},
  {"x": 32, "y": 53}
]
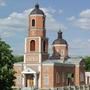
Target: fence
[{"x": 84, "y": 87}]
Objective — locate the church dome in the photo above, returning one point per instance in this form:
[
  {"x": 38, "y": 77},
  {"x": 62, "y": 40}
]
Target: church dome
[
  {"x": 36, "y": 10},
  {"x": 59, "y": 40}
]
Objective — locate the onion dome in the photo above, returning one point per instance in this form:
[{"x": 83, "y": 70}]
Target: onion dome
[
  {"x": 36, "y": 10},
  {"x": 59, "y": 40}
]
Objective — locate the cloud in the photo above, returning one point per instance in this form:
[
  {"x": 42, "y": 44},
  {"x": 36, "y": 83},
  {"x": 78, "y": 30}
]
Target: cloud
[
  {"x": 82, "y": 21},
  {"x": 80, "y": 44},
  {"x": 71, "y": 18},
  {"x": 79, "y": 47},
  {"x": 60, "y": 11},
  {"x": 85, "y": 14},
  {"x": 2, "y": 3},
  {"x": 18, "y": 22}
]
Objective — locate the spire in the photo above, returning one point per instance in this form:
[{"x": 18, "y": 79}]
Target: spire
[{"x": 59, "y": 34}]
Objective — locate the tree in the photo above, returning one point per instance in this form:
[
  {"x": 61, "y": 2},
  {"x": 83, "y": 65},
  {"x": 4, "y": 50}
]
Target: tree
[
  {"x": 6, "y": 67},
  {"x": 18, "y": 58},
  {"x": 87, "y": 63}
]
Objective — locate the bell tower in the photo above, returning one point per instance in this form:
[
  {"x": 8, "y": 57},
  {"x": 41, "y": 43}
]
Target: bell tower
[{"x": 36, "y": 44}]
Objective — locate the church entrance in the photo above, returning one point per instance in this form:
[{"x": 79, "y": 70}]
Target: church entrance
[{"x": 30, "y": 80}]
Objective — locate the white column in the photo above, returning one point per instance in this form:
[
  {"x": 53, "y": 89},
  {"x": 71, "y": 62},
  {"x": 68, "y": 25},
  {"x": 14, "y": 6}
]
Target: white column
[
  {"x": 35, "y": 80},
  {"x": 23, "y": 80}
]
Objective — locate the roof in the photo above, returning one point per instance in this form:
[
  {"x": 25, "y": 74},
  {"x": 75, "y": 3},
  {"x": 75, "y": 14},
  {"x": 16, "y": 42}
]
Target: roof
[
  {"x": 59, "y": 40},
  {"x": 36, "y": 10},
  {"x": 69, "y": 62},
  {"x": 56, "y": 62},
  {"x": 74, "y": 60}
]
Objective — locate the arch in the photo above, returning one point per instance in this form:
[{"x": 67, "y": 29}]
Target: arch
[
  {"x": 33, "y": 22},
  {"x": 32, "y": 45}
]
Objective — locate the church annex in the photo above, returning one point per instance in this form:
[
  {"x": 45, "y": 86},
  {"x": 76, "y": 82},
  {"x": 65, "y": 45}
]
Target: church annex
[{"x": 40, "y": 70}]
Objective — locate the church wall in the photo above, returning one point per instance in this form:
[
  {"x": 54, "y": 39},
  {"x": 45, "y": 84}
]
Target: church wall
[
  {"x": 62, "y": 72},
  {"x": 61, "y": 49},
  {"x": 18, "y": 69},
  {"x": 47, "y": 76}
]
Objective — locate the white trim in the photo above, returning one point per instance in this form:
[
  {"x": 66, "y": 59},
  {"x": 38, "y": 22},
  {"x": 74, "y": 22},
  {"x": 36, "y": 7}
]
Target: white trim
[
  {"x": 31, "y": 37},
  {"x": 28, "y": 71},
  {"x": 37, "y": 64},
  {"x": 77, "y": 65},
  {"x": 51, "y": 64},
  {"x": 35, "y": 80},
  {"x": 40, "y": 50},
  {"x": 37, "y": 15},
  {"x": 24, "y": 61},
  {"x": 23, "y": 80},
  {"x": 37, "y": 29},
  {"x": 59, "y": 45},
  {"x": 24, "y": 58},
  {"x": 39, "y": 80}
]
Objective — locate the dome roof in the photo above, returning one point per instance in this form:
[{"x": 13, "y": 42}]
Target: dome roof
[
  {"x": 36, "y": 10},
  {"x": 59, "y": 40}
]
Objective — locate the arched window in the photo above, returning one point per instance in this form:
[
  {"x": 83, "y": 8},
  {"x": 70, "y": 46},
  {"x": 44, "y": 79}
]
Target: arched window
[
  {"x": 44, "y": 46},
  {"x": 57, "y": 78},
  {"x": 32, "y": 45},
  {"x": 33, "y": 22}
]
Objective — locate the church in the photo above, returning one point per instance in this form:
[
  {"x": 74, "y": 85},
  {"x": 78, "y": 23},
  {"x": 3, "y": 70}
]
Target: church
[{"x": 39, "y": 69}]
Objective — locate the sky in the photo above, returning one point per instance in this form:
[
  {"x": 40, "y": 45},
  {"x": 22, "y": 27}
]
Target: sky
[{"x": 72, "y": 17}]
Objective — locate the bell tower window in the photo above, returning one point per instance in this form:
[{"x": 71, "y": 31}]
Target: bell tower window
[
  {"x": 33, "y": 22},
  {"x": 44, "y": 47},
  {"x": 32, "y": 45}
]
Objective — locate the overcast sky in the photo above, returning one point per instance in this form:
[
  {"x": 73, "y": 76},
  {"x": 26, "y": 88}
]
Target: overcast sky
[{"x": 71, "y": 16}]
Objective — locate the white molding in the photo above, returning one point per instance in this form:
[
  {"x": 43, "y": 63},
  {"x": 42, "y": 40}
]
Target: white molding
[
  {"x": 37, "y": 15},
  {"x": 37, "y": 29},
  {"x": 51, "y": 64},
  {"x": 40, "y": 70},
  {"x": 31, "y": 37},
  {"x": 59, "y": 45},
  {"x": 23, "y": 80},
  {"x": 40, "y": 50},
  {"x": 77, "y": 65}
]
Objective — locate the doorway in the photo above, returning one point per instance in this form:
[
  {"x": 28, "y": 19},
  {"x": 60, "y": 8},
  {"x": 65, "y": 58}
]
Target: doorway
[{"x": 30, "y": 80}]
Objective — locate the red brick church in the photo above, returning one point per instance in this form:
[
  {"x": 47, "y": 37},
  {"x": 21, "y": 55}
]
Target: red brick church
[{"x": 40, "y": 70}]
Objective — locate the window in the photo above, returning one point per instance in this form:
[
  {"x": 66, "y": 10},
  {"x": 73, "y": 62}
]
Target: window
[
  {"x": 63, "y": 77},
  {"x": 33, "y": 22},
  {"x": 57, "y": 78},
  {"x": 44, "y": 46},
  {"x": 32, "y": 45},
  {"x": 81, "y": 76},
  {"x": 46, "y": 80},
  {"x": 62, "y": 52}
]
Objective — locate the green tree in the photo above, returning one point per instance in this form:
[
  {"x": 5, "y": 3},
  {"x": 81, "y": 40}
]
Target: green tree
[
  {"x": 18, "y": 58},
  {"x": 6, "y": 67},
  {"x": 87, "y": 63}
]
